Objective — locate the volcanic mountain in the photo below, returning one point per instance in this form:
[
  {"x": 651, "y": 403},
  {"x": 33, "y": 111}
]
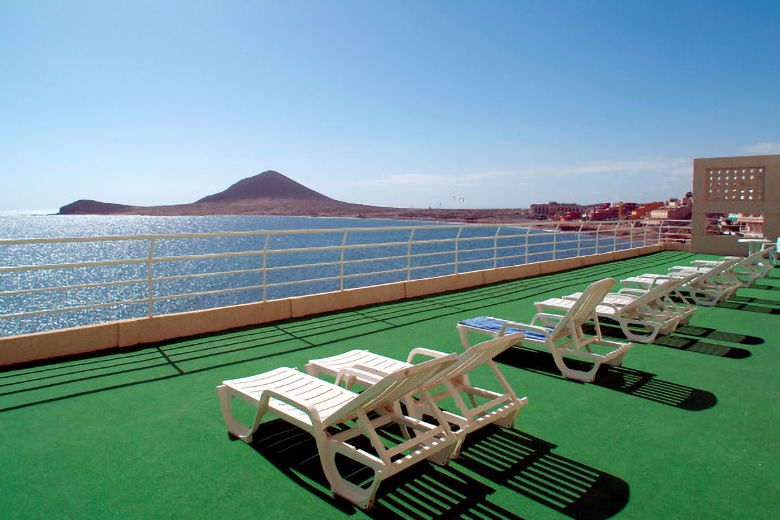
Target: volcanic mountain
[
  {"x": 271, "y": 193},
  {"x": 268, "y": 193},
  {"x": 267, "y": 185}
]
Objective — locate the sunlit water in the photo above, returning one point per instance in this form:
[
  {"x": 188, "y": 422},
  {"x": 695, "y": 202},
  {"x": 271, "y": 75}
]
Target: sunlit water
[{"x": 60, "y": 226}]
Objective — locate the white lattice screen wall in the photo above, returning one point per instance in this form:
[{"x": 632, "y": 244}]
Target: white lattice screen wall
[{"x": 735, "y": 183}]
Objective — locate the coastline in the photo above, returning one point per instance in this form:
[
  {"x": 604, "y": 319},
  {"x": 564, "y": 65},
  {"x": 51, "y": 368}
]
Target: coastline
[{"x": 286, "y": 207}]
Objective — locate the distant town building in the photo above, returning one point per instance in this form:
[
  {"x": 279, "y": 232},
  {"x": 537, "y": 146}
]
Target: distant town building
[
  {"x": 674, "y": 209},
  {"x": 644, "y": 209},
  {"x": 553, "y": 210},
  {"x": 614, "y": 211}
]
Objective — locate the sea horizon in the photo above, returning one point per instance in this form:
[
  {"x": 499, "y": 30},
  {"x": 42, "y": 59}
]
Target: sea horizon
[{"x": 27, "y": 212}]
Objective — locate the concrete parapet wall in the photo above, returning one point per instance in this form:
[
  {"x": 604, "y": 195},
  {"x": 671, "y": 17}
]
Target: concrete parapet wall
[
  {"x": 503, "y": 274},
  {"x": 600, "y": 258},
  {"x": 440, "y": 284},
  {"x": 335, "y": 301},
  {"x": 564, "y": 264},
  {"x": 127, "y": 333}
]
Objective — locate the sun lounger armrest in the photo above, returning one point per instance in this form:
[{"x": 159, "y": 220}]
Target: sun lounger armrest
[
  {"x": 706, "y": 263},
  {"x": 544, "y": 317},
  {"x": 516, "y": 325},
  {"x": 631, "y": 291},
  {"x": 298, "y": 403},
  {"x": 422, "y": 351},
  {"x": 615, "y": 307},
  {"x": 683, "y": 268},
  {"x": 547, "y": 315},
  {"x": 359, "y": 372},
  {"x": 647, "y": 283}
]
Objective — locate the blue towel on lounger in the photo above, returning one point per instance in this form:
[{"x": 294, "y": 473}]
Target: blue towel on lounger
[{"x": 494, "y": 325}]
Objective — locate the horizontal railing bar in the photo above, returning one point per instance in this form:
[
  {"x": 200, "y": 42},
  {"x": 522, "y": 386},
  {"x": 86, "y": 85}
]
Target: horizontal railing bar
[
  {"x": 70, "y": 287},
  {"x": 204, "y": 275},
  {"x": 205, "y": 293},
  {"x": 264, "y": 232},
  {"x": 72, "y": 265},
  {"x": 72, "y": 309}
]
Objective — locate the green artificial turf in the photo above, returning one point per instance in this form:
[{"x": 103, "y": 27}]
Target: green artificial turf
[{"x": 687, "y": 428}]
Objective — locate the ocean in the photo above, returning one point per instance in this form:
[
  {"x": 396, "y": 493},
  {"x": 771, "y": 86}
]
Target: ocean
[{"x": 121, "y": 291}]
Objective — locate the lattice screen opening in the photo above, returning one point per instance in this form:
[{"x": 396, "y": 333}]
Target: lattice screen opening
[{"x": 737, "y": 184}]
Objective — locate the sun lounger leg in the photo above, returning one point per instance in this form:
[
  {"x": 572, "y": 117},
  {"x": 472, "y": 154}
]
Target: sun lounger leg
[
  {"x": 617, "y": 360},
  {"x": 570, "y": 373},
  {"x": 464, "y": 337},
  {"x": 243, "y": 432},
  {"x": 639, "y": 338},
  {"x": 361, "y": 497},
  {"x": 509, "y": 420}
]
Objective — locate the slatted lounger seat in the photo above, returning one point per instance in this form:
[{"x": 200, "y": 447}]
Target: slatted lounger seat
[
  {"x": 652, "y": 311},
  {"x": 561, "y": 335},
  {"x": 484, "y": 406},
  {"x": 336, "y": 417}
]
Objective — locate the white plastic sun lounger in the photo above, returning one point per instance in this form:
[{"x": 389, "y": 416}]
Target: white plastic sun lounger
[
  {"x": 561, "y": 335},
  {"x": 336, "y": 417},
  {"x": 653, "y": 311},
  {"x": 706, "y": 288},
  {"x": 484, "y": 406},
  {"x": 744, "y": 271}
]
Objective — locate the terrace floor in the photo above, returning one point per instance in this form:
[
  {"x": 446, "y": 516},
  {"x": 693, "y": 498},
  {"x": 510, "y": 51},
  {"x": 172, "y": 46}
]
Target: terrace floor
[{"x": 687, "y": 428}]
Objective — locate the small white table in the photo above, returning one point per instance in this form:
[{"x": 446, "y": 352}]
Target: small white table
[{"x": 754, "y": 244}]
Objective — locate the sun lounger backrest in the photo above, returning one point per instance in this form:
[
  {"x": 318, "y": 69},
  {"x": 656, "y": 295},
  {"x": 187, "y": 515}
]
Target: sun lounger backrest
[
  {"x": 480, "y": 353},
  {"x": 582, "y": 310},
  {"x": 393, "y": 387}
]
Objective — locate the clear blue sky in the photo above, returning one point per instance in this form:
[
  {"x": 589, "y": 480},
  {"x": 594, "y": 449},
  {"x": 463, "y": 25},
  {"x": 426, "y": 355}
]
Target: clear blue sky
[{"x": 398, "y": 103}]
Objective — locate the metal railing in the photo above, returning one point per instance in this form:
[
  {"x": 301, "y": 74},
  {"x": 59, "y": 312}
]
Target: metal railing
[{"x": 62, "y": 282}]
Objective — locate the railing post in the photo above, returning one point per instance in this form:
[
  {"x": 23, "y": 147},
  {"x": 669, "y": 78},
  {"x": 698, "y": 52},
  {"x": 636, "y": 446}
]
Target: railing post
[
  {"x": 149, "y": 264},
  {"x": 614, "y": 236},
  {"x": 631, "y": 234},
  {"x": 265, "y": 266},
  {"x": 579, "y": 240},
  {"x": 495, "y": 247},
  {"x": 409, "y": 256},
  {"x": 598, "y": 230},
  {"x": 555, "y": 240},
  {"x": 457, "y": 247},
  {"x": 527, "y": 232},
  {"x": 341, "y": 275}
]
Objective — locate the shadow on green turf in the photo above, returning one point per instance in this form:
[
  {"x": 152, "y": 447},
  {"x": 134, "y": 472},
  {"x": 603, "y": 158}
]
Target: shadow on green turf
[
  {"x": 620, "y": 379},
  {"x": 527, "y": 465},
  {"x": 510, "y": 458},
  {"x": 681, "y": 342},
  {"x": 423, "y": 491},
  {"x": 740, "y": 306},
  {"x": 718, "y": 335},
  {"x": 757, "y": 301}
]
